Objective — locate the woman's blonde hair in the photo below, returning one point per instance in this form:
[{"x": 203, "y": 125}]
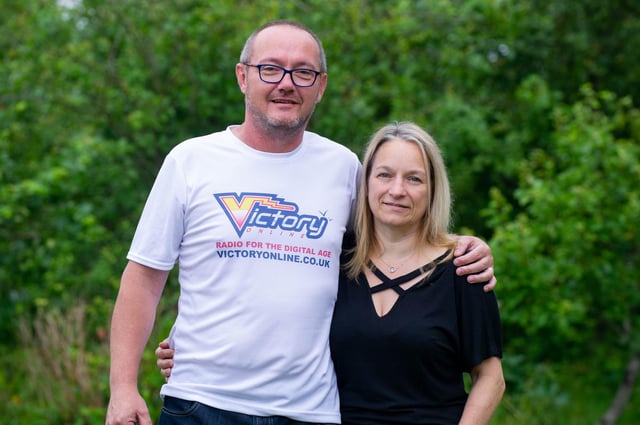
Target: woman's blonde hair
[{"x": 436, "y": 219}]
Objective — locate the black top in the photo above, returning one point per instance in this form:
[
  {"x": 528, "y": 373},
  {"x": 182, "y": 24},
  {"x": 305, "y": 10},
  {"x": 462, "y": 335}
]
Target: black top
[{"x": 407, "y": 366}]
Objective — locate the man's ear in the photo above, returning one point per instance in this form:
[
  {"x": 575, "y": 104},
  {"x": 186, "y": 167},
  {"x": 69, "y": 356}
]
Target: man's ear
[
  {"x": 322, "y": 87},
  {"x": 241, "y": 77}
]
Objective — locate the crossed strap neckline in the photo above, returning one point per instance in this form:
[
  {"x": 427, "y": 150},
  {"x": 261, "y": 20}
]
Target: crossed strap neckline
[{"x": 396, "y": 282}]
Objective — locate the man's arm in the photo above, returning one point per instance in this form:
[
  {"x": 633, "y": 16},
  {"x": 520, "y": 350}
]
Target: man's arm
[
  {"x": 474, "y": 258},
  {"x": 132, "y": 322}
]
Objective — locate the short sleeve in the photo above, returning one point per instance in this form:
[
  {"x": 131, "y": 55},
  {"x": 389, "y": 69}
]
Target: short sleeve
[
  {"x": 479, "y": 323},
  {"x": 157, "y": 239}
]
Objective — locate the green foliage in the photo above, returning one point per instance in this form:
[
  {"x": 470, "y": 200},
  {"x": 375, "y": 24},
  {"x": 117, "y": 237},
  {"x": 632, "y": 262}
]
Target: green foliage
[
  {"x": 61, "y": 226},
  {"x": 93, "y": 96},
  {"x": 569, "y": 255},
  {"x": 560, "y": 393}
]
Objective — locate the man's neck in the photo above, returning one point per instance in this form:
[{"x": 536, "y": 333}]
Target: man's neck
[{"x": 274, "y": 141}]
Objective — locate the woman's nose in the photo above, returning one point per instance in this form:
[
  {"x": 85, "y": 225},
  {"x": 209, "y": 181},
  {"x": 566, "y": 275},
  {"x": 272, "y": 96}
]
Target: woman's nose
[{"x": 397, "y": 187}]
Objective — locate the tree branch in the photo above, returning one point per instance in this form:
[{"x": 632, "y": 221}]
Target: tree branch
[{"x": 624, "y": 391}]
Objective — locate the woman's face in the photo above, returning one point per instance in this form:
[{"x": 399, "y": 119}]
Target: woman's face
[{"x": 398, "y": 186}]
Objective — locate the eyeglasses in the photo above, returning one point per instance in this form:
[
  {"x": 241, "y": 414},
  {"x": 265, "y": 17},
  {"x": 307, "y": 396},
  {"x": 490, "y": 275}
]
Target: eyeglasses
[{"x": 273, "y": 74}]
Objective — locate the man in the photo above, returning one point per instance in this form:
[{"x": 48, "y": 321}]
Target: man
[{"x": 255, "y": 217}]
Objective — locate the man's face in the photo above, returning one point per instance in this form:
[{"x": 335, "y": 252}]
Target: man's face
[{"x": 282, "y": 106}]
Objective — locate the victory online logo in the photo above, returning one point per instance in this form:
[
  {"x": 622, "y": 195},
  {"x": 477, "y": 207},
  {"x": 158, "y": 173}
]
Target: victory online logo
[{"x": 267, "y": 211}]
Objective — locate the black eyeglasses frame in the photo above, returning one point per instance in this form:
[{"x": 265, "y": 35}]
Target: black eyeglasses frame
[{"x": 285, "y": 71}]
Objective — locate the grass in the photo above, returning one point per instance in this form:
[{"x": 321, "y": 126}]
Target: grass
[
  {"x": 566, "y": 394},
  {"x": 59, "y": 374}
]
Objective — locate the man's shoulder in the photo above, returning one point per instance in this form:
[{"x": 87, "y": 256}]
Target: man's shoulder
[
  {"x": 324, "y": 143},
  {"x": 198, "y": 142},
  {"x": 208, "y": 138}
]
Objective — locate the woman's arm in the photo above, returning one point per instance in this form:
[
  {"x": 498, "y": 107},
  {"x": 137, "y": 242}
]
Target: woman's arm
[
  {"x": 164, "y": 355},
  {"x": 487, "y": 388}
]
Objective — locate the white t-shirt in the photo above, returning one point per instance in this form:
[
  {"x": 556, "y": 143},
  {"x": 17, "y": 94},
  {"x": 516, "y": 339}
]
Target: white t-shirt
[{"x": 257, "y": 237}]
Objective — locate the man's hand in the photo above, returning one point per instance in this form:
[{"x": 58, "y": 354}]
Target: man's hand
[
  {"x": 127, "y": 408},
  {"x": 474, "y": 259}
]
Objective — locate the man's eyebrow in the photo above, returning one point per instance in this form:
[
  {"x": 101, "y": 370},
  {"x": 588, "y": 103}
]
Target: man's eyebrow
[{"x": 300, "y": 64}]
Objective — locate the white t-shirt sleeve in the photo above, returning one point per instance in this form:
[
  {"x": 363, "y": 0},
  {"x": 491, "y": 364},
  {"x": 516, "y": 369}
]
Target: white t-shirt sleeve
[{"x": 157, "y": 239}]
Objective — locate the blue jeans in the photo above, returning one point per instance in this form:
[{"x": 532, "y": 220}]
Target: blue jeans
[{"x": 176, "y": 411}]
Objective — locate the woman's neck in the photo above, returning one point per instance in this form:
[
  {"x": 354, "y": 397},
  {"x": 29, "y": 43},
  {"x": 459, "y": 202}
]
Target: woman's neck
[{"x": 396, "y": 252}]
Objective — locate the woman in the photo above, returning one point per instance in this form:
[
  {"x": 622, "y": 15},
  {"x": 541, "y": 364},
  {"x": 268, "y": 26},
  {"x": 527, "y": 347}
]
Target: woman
[{"x": 405, "y": 327}]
